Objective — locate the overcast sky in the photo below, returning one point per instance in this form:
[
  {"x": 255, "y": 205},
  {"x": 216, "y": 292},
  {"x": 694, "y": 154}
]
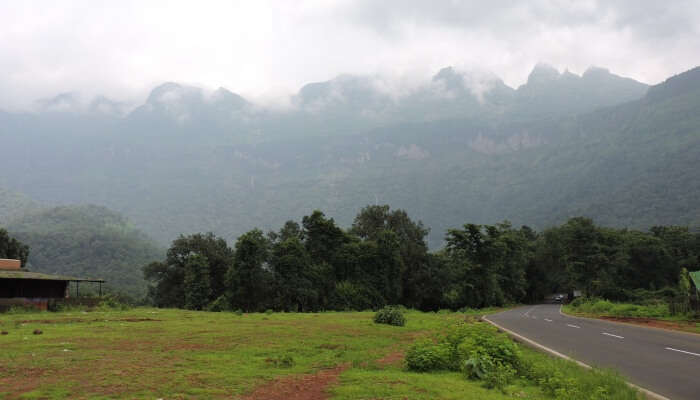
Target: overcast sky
[{"x": 267, "y": 49}]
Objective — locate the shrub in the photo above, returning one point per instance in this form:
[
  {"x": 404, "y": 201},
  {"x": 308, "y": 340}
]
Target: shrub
[
  {"x": 218, "y": 305},
  {"x": 391, "y": 316},
  {"x": 284, "y": 361},
  {"x": 500, "y": 376},
  {"x": 601, "y": 306},
  {"x": 426, "y": 355},
  {"x": 579, "y": 301},
  {"x": 478, "y": 367}
]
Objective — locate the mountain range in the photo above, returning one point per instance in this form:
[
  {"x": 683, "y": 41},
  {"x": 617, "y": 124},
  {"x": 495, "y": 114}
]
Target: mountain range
[{"x": 463, "y": 147}]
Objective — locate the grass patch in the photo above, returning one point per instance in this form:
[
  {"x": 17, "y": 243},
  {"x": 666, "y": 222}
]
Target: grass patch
[{"x": 178, "y": 354}]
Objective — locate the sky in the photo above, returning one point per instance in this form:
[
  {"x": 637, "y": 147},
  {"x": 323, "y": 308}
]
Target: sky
[{"x": 266, "y": 50}]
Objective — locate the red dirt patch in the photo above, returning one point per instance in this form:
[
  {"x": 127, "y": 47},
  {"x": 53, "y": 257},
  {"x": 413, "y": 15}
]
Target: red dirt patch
[
  {"x": 655, "y": 323},
  {"x": 391, "y": 358},
  {"x": 304, "y": 387}
]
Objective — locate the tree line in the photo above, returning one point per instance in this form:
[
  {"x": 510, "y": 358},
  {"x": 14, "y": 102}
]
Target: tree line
[{"x": 383, "y": 259}]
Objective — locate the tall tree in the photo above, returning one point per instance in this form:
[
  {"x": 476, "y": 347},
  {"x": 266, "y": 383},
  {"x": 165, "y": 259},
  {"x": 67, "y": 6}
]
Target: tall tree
[
  {"x": 249, "y": 277},
  {"x": 168, "y": 277},
  {"x": 373, "y": 220},
  {"x": 322, "y": 237}
]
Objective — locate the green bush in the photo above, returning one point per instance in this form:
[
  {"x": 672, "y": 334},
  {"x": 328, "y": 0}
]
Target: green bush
[
  {"x": 478, "y": 367},
  {"x": 391, "y": 316},
  {"x": 218, "y": 305},
  {"x": 500, "y": 376},
  {"x": 601, "y": 306},
  {"x": 579, "y": 301},
  {"x": 284, "y": 361},
  {"x": 426, "y": 355}
]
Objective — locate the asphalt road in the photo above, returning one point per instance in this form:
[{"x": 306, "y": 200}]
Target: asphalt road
[{"x": 662, "y": 361}]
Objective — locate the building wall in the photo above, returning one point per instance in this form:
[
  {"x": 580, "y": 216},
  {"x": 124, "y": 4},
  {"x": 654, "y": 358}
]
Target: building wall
[{"x": 32, "y": 288}]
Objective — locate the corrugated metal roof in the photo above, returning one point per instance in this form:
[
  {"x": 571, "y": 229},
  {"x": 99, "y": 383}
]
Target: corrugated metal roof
[
  {"x": 18, "y": 274},
  {"x": 695, "y": 277}
]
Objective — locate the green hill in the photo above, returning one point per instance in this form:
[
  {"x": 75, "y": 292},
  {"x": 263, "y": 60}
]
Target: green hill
[
  {"x": 13, "y": 204},
  {"x": 87, "y": 241}
]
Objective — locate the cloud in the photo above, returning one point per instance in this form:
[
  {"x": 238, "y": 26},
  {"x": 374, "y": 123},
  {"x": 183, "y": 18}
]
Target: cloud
[{"x": 269, "y": 49}]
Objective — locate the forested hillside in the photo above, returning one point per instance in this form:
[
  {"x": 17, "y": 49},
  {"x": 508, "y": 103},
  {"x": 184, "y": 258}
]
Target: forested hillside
[
  {"x": 13, "y": 204},
  {"x": 86, "y": 241},
  {"x": 459, "y": 148}
]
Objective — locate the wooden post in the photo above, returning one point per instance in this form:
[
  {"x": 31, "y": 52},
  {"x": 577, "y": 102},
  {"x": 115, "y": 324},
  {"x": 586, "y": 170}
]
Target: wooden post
[
  {"x": 100, "y": 289},
  {"x": 77, "y": 289}
]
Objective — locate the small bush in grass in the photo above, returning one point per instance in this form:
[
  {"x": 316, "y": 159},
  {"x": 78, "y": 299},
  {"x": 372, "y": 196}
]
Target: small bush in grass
[
  {"x": 391, "y": 316},
  {"x": 426, "y": 355},
  {"x": 284, "y": 361}
]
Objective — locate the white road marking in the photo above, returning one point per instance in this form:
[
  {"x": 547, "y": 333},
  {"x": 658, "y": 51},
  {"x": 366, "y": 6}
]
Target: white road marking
[
  {"x": 683, "y": 351},
  {"x": 615, "y": 336},
  {"x": 527, "y": 314},
  {"x": 573, "y": 326},
  {"x": 548, "y": 320}
]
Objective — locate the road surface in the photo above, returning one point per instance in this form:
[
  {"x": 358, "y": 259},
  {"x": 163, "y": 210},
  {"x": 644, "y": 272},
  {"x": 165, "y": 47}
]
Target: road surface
[{"x": 662, "y": 361}]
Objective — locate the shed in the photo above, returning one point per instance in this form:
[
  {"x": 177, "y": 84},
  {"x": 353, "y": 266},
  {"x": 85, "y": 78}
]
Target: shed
[{"x": 21, "y": 287}]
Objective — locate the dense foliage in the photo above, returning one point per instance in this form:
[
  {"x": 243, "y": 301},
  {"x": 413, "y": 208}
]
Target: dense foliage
[
  {"x": 13, "y": 248},
  {"x": 87, "y": 241},
  {"x": 383, "y": 260}
]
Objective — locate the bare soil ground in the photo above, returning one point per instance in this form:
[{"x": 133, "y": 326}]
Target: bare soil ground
[{"x": 300, "y": 387}]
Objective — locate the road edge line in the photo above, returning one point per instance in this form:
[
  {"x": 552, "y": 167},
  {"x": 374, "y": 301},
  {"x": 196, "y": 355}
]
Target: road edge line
[{"x": 531, "y": 343}]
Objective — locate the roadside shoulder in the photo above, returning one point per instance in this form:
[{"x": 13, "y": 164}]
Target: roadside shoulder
[{"x": 626, "y": 323}]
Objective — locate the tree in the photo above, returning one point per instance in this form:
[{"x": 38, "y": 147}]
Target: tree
[
  {"x": 216, "y": 252},
  {"x": 294, "y": 276},
  {"x": 197, "y": 288},
  {"x": 13, "y": 248},
  {"x": 168, "y": 277},
  {"x": 248, "y": 277},
  {"x": 322, "y": 238},
  {"x": 373, "y": 220}
]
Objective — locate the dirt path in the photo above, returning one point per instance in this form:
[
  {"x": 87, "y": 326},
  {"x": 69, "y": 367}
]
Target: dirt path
[{"x": 304, "y": 387}]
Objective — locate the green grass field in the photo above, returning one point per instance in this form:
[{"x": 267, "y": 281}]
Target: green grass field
[{"x": 175, "y": 354}]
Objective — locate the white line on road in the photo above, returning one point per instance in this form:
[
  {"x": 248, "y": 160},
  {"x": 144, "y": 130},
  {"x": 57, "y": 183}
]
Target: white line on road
[
  {"x": 683, "y": 351},
  {"x": 548, "y": 320},
  {"x": 573, "y": 326},
  {"x": 527, "y": 314},
  {"x": 615, "y": 336}
]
